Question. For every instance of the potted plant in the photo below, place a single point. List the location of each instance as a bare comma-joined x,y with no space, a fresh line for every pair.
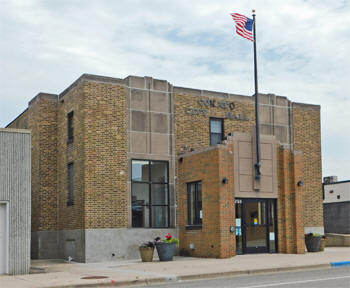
146,251
313,242
323,242
166,248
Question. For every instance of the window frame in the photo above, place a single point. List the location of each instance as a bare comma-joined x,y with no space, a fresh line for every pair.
222,129
198,222
70,127
70,184
150,183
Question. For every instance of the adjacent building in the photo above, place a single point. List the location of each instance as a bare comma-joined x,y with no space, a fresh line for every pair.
15,204
336,205
116,162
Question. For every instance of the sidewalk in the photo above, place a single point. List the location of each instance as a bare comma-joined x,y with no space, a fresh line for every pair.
55,273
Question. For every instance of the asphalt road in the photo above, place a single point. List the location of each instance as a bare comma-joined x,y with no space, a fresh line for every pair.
327,278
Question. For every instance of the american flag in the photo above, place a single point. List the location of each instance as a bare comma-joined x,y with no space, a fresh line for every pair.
244,26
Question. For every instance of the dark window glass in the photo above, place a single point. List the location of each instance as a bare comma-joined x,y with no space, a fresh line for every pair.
70,126
70,184
150,193
159,172
216,131
194,203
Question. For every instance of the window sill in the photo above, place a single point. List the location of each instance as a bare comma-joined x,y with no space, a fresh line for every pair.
193,227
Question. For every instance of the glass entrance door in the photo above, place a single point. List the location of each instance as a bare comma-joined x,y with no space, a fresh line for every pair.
256,226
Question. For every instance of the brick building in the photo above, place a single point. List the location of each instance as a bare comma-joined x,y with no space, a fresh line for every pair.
119,161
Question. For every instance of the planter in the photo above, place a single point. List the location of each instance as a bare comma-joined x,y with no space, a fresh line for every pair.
166,251
313,243
323,244
146,253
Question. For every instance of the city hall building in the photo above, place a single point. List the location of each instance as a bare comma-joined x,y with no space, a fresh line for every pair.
116,162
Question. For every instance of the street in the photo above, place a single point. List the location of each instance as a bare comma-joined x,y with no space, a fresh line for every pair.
332,277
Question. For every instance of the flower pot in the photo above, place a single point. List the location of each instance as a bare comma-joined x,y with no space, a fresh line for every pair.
323,244
146,253
313,243
166,251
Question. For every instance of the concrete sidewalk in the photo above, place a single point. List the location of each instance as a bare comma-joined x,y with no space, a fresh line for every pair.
56,273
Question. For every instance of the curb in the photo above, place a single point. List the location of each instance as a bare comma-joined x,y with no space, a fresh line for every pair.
339,264
160,280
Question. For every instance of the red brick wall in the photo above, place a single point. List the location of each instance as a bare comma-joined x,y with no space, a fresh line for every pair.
214,239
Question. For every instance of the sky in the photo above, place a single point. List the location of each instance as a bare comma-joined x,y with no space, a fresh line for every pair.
302,50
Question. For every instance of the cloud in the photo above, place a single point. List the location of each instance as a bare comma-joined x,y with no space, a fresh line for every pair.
302,52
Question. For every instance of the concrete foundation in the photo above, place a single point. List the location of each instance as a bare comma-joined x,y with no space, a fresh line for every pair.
94,245
316,230
338,240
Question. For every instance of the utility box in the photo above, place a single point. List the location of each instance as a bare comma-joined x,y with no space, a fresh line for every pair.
15,201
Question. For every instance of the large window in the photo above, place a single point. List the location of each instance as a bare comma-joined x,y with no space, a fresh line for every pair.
194,203
216,131
70,179
150,193
70,127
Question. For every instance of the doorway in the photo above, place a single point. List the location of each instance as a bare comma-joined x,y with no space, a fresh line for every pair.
3,238
256,225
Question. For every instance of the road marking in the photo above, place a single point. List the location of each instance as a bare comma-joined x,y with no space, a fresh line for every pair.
295,282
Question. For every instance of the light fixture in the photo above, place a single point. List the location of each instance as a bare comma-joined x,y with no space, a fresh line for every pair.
225,180
300,183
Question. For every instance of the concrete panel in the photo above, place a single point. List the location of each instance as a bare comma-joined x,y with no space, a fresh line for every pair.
159,123
282,133
119,243
138,99
281,116
266,167
15,190
266,129
160,144
266,184
45,245
245,166
245,149
161,85
139,121
315,229
265,114
137,82
159,102
266,150
245,183
138,142
264,99
281,101
72,243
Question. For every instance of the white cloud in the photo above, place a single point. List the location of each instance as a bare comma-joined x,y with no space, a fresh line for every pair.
302,52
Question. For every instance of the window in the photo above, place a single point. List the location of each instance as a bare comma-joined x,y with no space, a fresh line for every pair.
216,131
70,127
70,200
194,203
150,193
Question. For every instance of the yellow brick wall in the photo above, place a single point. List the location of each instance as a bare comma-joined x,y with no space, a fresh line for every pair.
307,139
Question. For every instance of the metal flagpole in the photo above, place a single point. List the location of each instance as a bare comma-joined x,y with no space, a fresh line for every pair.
258,162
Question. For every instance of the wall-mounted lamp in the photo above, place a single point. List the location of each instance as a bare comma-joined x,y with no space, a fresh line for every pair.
225,180
181,159
300,183
192,149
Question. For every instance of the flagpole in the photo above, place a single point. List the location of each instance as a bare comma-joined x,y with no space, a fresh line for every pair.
257,123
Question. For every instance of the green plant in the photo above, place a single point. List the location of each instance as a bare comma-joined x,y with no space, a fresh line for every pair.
313,235
168,239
